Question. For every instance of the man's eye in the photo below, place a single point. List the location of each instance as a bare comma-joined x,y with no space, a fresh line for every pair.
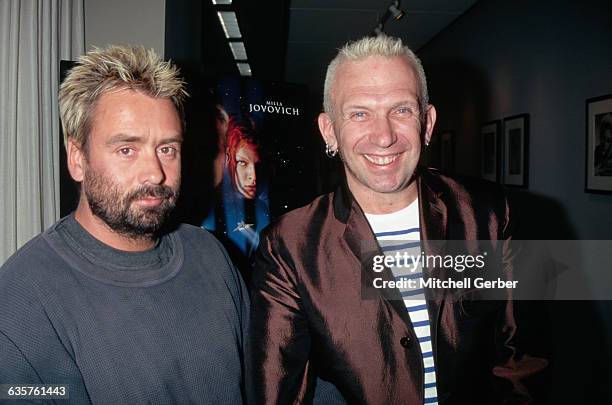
125,151
167,150
358,115
404,110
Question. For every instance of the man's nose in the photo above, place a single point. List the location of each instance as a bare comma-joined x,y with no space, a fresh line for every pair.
382,134
151,170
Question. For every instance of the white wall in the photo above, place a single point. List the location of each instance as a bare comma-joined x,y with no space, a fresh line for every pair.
133,22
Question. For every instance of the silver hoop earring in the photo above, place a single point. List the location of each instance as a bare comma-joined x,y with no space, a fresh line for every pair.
329,152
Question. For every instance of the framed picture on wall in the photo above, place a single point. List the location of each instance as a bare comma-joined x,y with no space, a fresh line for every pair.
447,151
489,151
599,145
515,146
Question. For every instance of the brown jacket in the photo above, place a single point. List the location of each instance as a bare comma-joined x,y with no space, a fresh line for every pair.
310,318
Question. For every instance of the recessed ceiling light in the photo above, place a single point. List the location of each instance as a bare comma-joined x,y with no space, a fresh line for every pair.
238,50
229,22
244,68
222,1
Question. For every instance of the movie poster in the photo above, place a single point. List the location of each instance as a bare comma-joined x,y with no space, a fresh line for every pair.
262,165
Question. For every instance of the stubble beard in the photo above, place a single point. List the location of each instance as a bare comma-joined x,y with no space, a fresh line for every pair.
114,206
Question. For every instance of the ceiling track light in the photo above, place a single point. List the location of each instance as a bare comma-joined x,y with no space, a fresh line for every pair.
392,11
395,11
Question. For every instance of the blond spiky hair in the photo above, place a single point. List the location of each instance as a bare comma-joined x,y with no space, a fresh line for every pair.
381,45
112,68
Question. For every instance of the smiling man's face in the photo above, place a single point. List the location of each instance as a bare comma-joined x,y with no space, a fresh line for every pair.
376,126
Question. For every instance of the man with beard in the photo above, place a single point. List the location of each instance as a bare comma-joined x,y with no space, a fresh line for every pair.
107,302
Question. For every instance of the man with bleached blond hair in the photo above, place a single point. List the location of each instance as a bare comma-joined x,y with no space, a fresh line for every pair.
113,304
324,327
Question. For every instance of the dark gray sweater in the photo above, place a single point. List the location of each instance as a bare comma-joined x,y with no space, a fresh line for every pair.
166,326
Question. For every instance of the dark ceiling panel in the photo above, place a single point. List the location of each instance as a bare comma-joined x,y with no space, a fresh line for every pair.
417,28
264,28
348,4
437,5
318,27
307,25
453,6
307,64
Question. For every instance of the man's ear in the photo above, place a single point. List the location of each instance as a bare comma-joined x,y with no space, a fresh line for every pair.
326,127
429,123
76,160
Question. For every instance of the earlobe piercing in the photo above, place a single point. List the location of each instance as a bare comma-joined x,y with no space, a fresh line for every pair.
329,152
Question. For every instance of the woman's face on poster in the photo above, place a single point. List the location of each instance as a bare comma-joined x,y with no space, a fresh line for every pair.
247,158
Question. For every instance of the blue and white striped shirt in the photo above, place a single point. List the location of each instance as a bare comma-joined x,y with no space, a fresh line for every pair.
400,232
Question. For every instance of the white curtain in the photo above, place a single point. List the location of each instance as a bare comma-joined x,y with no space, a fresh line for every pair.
34,36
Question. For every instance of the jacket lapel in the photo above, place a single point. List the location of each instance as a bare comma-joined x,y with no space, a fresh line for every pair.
361,241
